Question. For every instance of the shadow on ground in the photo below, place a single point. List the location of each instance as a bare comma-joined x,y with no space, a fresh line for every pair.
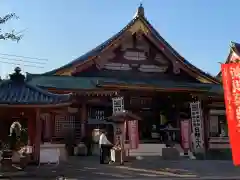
146,168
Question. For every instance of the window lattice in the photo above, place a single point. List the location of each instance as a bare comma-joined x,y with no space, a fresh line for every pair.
64,124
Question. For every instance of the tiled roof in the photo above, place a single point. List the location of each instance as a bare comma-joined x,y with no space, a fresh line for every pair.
62,82
72,83
122,116
142,18
94,51
165,84
234,48
20,92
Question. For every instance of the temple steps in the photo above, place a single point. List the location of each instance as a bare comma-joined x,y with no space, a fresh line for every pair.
152,150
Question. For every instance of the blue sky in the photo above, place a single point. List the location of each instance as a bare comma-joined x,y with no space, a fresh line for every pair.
61,30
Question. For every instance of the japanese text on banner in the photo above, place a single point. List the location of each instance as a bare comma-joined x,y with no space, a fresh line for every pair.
196,117
133,134
231,86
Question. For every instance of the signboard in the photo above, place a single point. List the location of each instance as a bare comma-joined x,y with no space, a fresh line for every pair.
231,87
117,104
133,134
119,136
185,134
197,130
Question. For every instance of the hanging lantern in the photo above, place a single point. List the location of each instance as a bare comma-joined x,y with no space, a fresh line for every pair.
117,104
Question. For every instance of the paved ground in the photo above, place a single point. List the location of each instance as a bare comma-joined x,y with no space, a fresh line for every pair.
147,168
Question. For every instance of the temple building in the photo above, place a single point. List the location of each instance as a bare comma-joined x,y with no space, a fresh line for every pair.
157,83
24,104
218,133
233,56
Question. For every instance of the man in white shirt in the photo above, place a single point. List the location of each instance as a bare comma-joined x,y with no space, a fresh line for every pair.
104,145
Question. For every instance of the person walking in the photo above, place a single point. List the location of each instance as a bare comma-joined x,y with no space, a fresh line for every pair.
104,145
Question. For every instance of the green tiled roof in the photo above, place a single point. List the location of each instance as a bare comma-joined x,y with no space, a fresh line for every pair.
216,88
16,91
168,84
62,82
69,82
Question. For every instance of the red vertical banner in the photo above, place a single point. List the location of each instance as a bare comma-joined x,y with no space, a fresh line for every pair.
120,132
231,87
185,128
133,134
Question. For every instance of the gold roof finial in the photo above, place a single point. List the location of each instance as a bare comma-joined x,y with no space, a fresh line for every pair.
140,10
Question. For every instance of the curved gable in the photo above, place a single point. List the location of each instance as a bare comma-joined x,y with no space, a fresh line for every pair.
138,23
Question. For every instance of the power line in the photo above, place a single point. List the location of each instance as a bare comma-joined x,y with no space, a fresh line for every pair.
18,64
20,32
13,55
12,59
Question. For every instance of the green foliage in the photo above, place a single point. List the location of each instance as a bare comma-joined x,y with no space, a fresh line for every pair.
9,35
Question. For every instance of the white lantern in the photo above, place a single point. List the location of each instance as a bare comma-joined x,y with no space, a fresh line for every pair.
117,104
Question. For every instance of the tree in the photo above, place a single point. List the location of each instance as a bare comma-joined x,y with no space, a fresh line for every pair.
9,35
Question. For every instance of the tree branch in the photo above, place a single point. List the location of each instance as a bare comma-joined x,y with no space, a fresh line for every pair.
9,35
8,17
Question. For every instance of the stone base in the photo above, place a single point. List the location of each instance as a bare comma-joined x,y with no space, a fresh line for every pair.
63,155
170,153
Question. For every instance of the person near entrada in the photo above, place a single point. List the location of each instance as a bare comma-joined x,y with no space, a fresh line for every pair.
104,145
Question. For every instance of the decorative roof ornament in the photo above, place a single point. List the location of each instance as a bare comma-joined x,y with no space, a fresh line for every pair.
17,76
232,44
140,11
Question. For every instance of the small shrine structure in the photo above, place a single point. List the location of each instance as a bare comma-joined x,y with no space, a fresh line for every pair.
20,101
125,130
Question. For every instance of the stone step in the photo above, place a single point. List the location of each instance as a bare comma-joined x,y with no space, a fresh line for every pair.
153,150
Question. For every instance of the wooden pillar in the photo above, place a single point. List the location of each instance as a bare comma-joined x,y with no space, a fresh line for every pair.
37,136
52,120
83,115
203,119
46,126
206,125
31,129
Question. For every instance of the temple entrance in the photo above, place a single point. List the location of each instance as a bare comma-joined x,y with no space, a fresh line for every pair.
147,125
161,115
156,127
